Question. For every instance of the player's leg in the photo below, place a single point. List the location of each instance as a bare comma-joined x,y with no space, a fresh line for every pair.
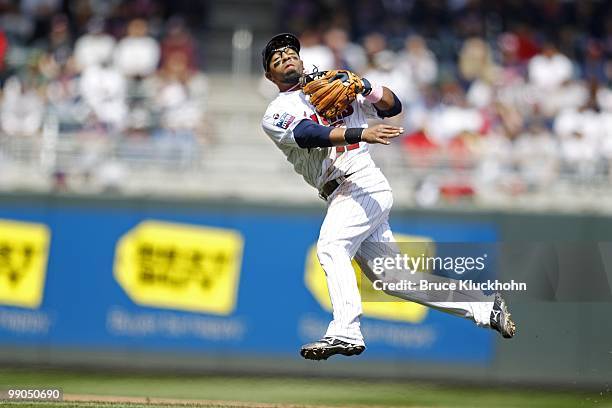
351,217
473,305
349,220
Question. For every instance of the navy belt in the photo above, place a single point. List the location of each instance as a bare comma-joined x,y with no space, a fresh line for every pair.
331,186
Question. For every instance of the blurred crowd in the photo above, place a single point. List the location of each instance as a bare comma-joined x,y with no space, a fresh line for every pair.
517,92
522,85
114,69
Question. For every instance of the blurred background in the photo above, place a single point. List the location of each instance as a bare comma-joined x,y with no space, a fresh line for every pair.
506,104
148,222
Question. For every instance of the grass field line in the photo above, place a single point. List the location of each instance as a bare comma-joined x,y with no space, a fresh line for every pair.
115,399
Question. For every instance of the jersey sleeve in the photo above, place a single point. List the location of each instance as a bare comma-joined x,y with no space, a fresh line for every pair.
279,123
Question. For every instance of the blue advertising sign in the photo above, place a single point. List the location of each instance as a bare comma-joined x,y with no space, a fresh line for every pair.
210,281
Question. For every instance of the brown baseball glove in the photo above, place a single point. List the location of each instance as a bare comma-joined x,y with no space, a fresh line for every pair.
331,92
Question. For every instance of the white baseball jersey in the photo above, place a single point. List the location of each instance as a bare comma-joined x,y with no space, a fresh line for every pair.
321,164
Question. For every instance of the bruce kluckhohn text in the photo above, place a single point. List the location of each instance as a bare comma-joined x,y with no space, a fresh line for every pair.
465,285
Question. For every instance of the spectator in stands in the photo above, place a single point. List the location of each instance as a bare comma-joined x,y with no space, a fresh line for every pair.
373,43
3,49
59,39
347,55
453,116
137,54
179,96
386,71
476,61
582,133
594,66
495,168
178,93
64,99
484,82
527,46
579,155
179,40
537,155
570,95
549,69
314,53
418,61
104,89
95,47
22,109
511,64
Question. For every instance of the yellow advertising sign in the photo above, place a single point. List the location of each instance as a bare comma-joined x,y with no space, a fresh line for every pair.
386,307
178,266
24,250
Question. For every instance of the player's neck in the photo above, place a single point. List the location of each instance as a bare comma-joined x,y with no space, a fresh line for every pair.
289,87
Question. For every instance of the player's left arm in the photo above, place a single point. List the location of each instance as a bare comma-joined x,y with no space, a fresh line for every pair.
389,105
386,103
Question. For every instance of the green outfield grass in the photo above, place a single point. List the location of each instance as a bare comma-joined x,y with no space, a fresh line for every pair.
328,392
102,405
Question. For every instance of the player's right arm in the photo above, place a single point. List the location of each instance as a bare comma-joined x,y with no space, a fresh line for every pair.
310,134
283,128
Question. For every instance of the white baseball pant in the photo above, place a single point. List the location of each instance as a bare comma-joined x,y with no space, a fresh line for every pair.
358,212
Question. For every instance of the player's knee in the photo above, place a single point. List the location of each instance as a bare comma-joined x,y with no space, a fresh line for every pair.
329,253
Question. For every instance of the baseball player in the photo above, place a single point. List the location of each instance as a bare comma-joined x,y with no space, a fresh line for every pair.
333,157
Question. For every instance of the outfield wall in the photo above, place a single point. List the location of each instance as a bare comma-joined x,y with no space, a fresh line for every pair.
212,287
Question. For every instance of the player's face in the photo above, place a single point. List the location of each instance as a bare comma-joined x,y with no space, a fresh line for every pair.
285,67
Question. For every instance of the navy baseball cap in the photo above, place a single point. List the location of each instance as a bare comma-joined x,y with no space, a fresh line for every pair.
278,42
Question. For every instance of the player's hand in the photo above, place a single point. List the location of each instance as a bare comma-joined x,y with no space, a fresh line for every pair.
381,134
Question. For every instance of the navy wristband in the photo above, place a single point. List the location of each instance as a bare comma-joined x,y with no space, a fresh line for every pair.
367,87
353,135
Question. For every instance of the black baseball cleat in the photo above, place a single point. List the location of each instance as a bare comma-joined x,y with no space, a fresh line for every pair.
501,319
327,347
